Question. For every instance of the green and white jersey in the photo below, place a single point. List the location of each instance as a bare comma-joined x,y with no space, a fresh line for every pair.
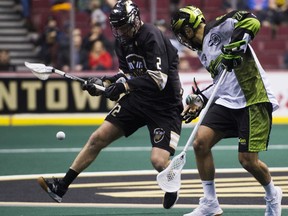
247,84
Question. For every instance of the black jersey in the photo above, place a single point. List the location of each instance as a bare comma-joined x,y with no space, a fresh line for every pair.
150,63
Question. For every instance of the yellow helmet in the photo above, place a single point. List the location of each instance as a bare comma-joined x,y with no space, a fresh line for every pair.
187,16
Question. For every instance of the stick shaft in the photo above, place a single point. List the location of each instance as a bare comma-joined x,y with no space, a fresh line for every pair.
204,111
70,76
43,72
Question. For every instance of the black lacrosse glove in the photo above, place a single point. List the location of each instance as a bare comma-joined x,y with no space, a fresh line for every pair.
114,90
92,90
230,58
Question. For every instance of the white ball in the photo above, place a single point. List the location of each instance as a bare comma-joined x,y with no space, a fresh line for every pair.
60,135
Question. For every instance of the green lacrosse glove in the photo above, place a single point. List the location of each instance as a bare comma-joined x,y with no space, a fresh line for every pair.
92,90
230,58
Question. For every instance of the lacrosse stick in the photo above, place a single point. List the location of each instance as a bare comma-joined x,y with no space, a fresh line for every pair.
43,72
169,180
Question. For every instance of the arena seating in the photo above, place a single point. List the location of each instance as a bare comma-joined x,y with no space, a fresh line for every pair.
269,45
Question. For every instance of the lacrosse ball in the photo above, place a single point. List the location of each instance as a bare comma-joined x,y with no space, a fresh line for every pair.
60,135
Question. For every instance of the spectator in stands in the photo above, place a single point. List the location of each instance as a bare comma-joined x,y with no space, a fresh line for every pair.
97,15
48,42
80,55
60,5
63,39
23,7
96,33
5,64
279,12
82,5
263,10
107,5
99,57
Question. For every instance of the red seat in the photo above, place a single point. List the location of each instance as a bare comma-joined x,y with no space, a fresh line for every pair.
269,61
282,32
142,4
215,4
265,33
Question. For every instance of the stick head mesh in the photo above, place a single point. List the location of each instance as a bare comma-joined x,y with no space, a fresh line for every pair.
169,180
39,70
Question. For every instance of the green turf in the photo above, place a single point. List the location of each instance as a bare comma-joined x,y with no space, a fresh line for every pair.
76,136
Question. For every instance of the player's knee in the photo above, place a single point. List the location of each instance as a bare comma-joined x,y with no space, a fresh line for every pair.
200,147
96,142
247,163
159,163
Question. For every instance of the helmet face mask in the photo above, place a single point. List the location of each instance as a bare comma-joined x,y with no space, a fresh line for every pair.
184,40
187,17
125,21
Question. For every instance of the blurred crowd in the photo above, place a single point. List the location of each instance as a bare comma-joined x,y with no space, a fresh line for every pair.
93,50
270,12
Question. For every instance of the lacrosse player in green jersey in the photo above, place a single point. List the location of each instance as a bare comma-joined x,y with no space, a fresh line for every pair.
243,105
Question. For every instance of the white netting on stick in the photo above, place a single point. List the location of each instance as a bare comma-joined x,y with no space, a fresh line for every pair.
169,180
39,70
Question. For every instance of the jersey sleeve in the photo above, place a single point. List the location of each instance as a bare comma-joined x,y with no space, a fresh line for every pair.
157,65
246,27
157,60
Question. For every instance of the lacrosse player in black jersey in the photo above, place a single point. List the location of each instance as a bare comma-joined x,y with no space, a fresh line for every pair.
148,93
243,104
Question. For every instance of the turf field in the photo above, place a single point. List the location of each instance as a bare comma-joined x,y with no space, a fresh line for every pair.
121,181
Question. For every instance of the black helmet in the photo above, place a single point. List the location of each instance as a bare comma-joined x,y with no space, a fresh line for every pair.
187,16
125,20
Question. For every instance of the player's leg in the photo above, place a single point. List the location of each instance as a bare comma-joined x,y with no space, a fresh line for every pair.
164,129
98,140
160,159
254,137
205,139
209,133
260,171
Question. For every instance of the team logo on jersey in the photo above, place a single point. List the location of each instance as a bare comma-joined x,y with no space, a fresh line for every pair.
203,58
158,134
242,141
136,64
214,40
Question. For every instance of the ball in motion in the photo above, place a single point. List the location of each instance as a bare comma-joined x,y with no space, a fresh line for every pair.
60,135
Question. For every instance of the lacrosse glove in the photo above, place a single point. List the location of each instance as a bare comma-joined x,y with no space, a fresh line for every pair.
92,90
114,90
195,103
230,58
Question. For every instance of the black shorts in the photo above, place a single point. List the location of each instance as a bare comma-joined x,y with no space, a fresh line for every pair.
164,126
252,125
